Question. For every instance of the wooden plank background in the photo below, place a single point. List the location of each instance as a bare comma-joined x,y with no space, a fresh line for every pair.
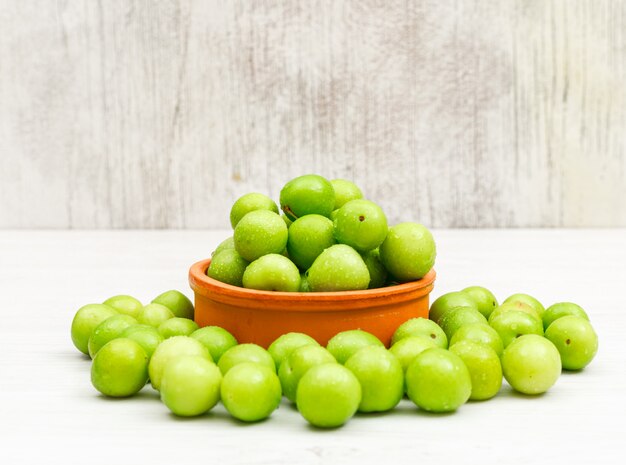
454,113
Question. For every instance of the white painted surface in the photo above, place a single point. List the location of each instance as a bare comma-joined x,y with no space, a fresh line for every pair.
127,114
50,413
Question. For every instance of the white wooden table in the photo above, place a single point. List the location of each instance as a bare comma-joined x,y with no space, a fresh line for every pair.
50,413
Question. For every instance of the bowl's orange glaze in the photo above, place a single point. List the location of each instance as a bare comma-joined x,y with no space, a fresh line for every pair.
261,316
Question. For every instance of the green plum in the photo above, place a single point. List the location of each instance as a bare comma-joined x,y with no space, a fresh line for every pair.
561,309
108,330
125,304
177,327
272,272
338,268
169,350
479,333
360,224
120,368
309,236
485,300
344,192
408,252
250,391
513,324
306,195
328,395
297,364
456,318
154,315
514,306
484,368
148,337
438,381
528,300
575,339
243,353
304,283
531,364
381,377
226,244
228,267
248,203
407,348
448,301
378,272
284,345
86,319
345,344
190,385
177,302
259,233
421,327
217,340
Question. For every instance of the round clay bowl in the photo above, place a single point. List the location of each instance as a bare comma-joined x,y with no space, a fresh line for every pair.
261,316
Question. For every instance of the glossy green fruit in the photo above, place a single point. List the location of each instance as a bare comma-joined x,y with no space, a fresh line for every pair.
456,318
531,364
259,233
344,192
191,385
86,319
408,252
361,224
448,301
528,300
217,340
272,272
250,392
514,307
378,272
306,195
381,377
226,244
244,353
328,395
228,267
284,345
177,302
484,368
120,368
125,304
421,327
154,314
437,380
575,339
169,350
485,301
479,333
513,324
177,327
248,203
108,330
345,344
407,348
309,236
297,364
148,337
561,309
338,268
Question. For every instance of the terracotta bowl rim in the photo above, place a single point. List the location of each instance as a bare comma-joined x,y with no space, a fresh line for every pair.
209,287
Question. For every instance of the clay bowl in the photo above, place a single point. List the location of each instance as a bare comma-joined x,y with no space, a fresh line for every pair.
261,316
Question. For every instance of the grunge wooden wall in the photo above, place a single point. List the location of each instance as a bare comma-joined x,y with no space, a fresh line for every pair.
454,113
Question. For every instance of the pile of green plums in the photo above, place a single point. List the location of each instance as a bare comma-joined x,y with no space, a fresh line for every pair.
461,353
329,238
